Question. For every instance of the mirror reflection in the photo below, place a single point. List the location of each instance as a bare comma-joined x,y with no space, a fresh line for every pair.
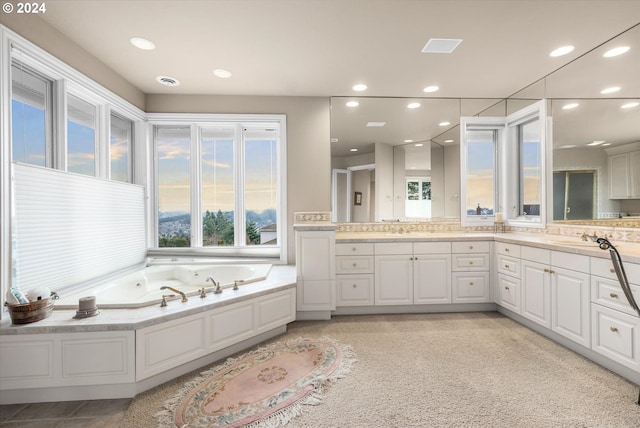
595,157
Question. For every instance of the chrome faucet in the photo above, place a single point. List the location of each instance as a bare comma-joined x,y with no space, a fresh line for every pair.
184,296
217,290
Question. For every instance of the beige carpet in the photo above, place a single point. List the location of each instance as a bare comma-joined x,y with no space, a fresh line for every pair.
449,370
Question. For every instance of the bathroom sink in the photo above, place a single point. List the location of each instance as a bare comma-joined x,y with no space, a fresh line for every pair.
573,243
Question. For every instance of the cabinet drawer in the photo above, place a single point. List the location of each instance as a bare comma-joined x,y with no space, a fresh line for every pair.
534,254
604,268
508,249
616,335
354,264
390,248
471,287
608,292
470,247
470,262
509,266
570,261
509,293
431,247
354,290
364,249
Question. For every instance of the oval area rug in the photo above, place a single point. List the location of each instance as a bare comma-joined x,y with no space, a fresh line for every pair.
263,388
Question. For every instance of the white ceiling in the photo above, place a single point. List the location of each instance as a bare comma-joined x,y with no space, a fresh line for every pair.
323,47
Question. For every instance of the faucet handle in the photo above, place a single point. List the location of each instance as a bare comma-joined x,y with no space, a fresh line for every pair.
163,303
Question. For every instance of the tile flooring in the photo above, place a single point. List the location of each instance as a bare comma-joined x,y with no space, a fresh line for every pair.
68,414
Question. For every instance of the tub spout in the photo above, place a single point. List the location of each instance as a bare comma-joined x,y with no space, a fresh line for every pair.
184,296
217,289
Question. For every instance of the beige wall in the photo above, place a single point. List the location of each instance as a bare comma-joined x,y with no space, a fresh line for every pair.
308,147
47,37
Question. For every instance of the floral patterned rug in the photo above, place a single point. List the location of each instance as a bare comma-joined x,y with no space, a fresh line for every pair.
263,388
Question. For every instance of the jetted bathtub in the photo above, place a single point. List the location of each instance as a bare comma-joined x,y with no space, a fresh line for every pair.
142,288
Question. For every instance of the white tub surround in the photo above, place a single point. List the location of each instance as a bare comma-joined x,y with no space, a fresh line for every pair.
122,352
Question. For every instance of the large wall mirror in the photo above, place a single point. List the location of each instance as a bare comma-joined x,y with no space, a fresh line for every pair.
595,145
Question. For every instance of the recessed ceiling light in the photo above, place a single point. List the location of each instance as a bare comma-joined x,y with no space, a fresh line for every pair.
561,51
408,141
334,140
596,143
630,105
616,51
448,141
168,81
418,144
432,88
222,73
441,45
610,90
413,105
606,144
570,106
143,44
376,124
353,150
352,104
359,87
568,146
445,123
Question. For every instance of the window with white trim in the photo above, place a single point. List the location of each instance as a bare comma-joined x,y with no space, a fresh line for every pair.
220,185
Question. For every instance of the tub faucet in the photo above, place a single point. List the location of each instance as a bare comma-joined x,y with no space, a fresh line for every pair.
184,296
217,290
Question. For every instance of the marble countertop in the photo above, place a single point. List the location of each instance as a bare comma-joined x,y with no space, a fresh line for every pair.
630,252
62,320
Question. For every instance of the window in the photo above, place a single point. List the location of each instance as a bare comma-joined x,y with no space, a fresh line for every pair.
530,168
480,180
173,153
30,116
81,136
220,185
120,148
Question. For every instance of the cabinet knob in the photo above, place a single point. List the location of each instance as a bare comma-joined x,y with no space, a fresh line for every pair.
612,270
471,263
471,247
546,270
471,283
353,249
552,271
613,295
506,266
613,329
506,250
506,288
355,286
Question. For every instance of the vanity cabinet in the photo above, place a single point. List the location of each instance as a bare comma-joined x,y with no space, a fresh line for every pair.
315,270
471,267
615,324
508,268
536,285
412,273
354,274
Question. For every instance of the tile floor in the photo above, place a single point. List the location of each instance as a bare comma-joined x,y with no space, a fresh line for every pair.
68,414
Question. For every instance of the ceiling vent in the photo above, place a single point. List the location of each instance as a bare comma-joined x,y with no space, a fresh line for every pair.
441,45
168,81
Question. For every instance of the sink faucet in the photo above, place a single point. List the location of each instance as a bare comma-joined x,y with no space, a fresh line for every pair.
586,237
184,296
217,290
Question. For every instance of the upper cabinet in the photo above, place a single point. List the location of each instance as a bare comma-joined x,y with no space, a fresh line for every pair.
624,171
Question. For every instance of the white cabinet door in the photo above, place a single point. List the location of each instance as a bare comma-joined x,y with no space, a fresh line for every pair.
536,292
470,287
432,279
619,187
394,280
509,292
315,264
354,290
570,301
